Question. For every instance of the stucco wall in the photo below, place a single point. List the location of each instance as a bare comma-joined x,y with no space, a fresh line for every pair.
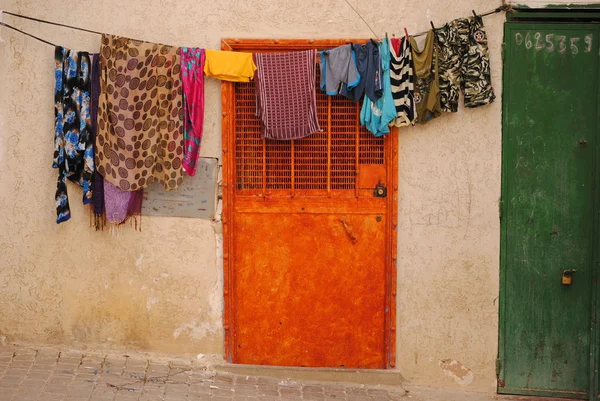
161,289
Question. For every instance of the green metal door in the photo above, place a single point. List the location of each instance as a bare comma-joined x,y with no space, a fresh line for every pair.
548,206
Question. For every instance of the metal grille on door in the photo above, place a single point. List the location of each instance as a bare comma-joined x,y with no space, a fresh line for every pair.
327,163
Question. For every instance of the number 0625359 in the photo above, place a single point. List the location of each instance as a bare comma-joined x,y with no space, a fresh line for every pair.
551,42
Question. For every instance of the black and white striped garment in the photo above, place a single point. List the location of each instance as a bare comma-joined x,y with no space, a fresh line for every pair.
402,79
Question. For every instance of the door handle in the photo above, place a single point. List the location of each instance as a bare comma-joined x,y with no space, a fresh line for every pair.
567,276
349,231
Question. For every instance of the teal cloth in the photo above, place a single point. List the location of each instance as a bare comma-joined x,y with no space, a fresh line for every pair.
377,116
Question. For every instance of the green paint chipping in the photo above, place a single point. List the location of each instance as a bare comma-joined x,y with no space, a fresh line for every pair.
558,6
581,15
550,131
573,6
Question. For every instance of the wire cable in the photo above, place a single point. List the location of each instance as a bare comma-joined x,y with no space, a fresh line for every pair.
361,17
51,23
504,7
28,34
58,24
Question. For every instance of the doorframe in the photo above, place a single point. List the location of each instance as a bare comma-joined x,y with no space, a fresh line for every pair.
228,193
581,13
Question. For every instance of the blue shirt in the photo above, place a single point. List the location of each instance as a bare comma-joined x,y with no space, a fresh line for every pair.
377,116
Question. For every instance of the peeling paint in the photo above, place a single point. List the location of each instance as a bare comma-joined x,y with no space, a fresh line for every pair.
455,370
194,329
151,301
138,262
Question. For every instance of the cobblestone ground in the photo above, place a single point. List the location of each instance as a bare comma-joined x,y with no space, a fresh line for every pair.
47,374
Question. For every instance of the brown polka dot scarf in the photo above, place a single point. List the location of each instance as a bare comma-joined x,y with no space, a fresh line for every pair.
140,116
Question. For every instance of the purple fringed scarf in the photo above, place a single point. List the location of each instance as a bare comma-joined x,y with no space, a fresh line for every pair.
119,205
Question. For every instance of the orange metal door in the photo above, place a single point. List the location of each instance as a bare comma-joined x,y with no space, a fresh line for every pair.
309,236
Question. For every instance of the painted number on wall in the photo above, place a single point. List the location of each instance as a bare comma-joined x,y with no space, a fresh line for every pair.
552,42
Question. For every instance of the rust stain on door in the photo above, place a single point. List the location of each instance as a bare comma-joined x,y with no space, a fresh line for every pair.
309,248
309,296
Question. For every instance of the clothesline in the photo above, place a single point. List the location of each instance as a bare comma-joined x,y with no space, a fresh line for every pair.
502,8
144,117
51,23
44,22
362,18
28,34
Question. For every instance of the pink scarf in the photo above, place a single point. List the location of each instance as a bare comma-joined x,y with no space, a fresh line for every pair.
192,76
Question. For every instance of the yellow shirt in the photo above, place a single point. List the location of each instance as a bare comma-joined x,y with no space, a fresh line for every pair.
229,66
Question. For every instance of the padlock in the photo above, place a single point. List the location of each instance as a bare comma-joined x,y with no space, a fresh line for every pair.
567,277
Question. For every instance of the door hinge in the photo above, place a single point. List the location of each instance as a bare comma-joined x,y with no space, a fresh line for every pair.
502,51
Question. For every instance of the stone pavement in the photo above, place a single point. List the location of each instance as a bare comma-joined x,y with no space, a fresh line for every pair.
47,374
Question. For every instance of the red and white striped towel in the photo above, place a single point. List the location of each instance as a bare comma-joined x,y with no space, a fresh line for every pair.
285,94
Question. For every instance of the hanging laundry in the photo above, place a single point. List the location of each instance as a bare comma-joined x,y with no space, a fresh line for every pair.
73,142
120,205
377,116
402,81
395,45
98,202
427,93
285,94
229,66
192,78
368,63
338,70
140,123
464,64
98,185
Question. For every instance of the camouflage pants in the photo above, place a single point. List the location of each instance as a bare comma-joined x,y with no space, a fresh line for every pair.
464,64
